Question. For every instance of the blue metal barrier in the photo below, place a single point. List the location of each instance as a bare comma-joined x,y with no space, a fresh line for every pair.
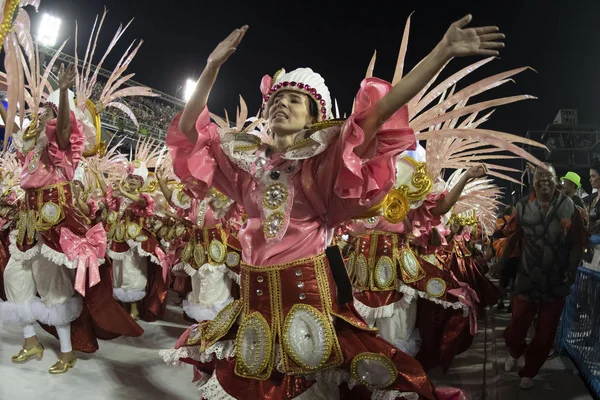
579,330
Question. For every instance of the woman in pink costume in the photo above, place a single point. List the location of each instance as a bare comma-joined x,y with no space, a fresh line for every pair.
10,200
295,340
50,148
131,242
386,271
202,250
81,195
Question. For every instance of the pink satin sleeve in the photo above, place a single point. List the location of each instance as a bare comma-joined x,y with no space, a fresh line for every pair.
92,206
423,221
349,184
66,159
144,211
203,164
11,198
111,201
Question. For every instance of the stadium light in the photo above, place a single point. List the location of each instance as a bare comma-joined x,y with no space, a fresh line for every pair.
48,30
190,85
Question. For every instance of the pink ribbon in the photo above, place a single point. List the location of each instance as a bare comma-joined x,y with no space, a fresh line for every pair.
88,250
468,296
166,260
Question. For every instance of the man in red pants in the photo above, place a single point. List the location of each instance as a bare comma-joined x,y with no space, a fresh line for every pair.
549,230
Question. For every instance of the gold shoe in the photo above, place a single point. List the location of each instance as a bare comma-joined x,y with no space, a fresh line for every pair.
24,355
134,313
61,367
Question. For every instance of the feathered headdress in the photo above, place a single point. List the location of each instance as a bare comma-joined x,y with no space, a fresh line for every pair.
480,200
451,130
112,163
112,91
14,33
148,153
10,166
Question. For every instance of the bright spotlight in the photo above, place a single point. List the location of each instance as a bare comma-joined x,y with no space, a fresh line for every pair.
48,30
190,85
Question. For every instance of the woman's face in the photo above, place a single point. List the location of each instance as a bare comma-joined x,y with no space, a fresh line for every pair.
289,113
77,189
133,183
46,115
594,179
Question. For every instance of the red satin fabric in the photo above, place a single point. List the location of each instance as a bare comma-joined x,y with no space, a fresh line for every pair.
378,299
444,332
181,285
4,256
411,377
354,337
154,305
466,269
73,217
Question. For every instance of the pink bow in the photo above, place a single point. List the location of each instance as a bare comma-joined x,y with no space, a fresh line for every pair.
166,261
468,296
265,84
88,250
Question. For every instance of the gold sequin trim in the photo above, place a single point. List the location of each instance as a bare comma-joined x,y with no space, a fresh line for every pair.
215,329
410,273
379,358
255,368
280,191
320,319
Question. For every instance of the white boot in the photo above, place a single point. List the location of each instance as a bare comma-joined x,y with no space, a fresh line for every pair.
526,383
510,363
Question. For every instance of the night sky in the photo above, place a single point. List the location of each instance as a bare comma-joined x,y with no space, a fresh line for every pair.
557,38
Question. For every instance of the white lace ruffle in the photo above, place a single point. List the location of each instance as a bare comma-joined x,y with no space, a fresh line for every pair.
18,314
413,293
212,390
115,255
138,245
128,296
393,394
222,349
201,313
234,277
59,314
60,258
18,254
370,313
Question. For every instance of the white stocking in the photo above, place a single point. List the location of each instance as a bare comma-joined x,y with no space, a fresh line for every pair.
28,331
64,335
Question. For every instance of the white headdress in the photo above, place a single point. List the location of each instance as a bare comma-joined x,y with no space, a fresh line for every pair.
301,80
148,153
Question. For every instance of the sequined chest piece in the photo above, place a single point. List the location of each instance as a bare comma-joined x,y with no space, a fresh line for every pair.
276,189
